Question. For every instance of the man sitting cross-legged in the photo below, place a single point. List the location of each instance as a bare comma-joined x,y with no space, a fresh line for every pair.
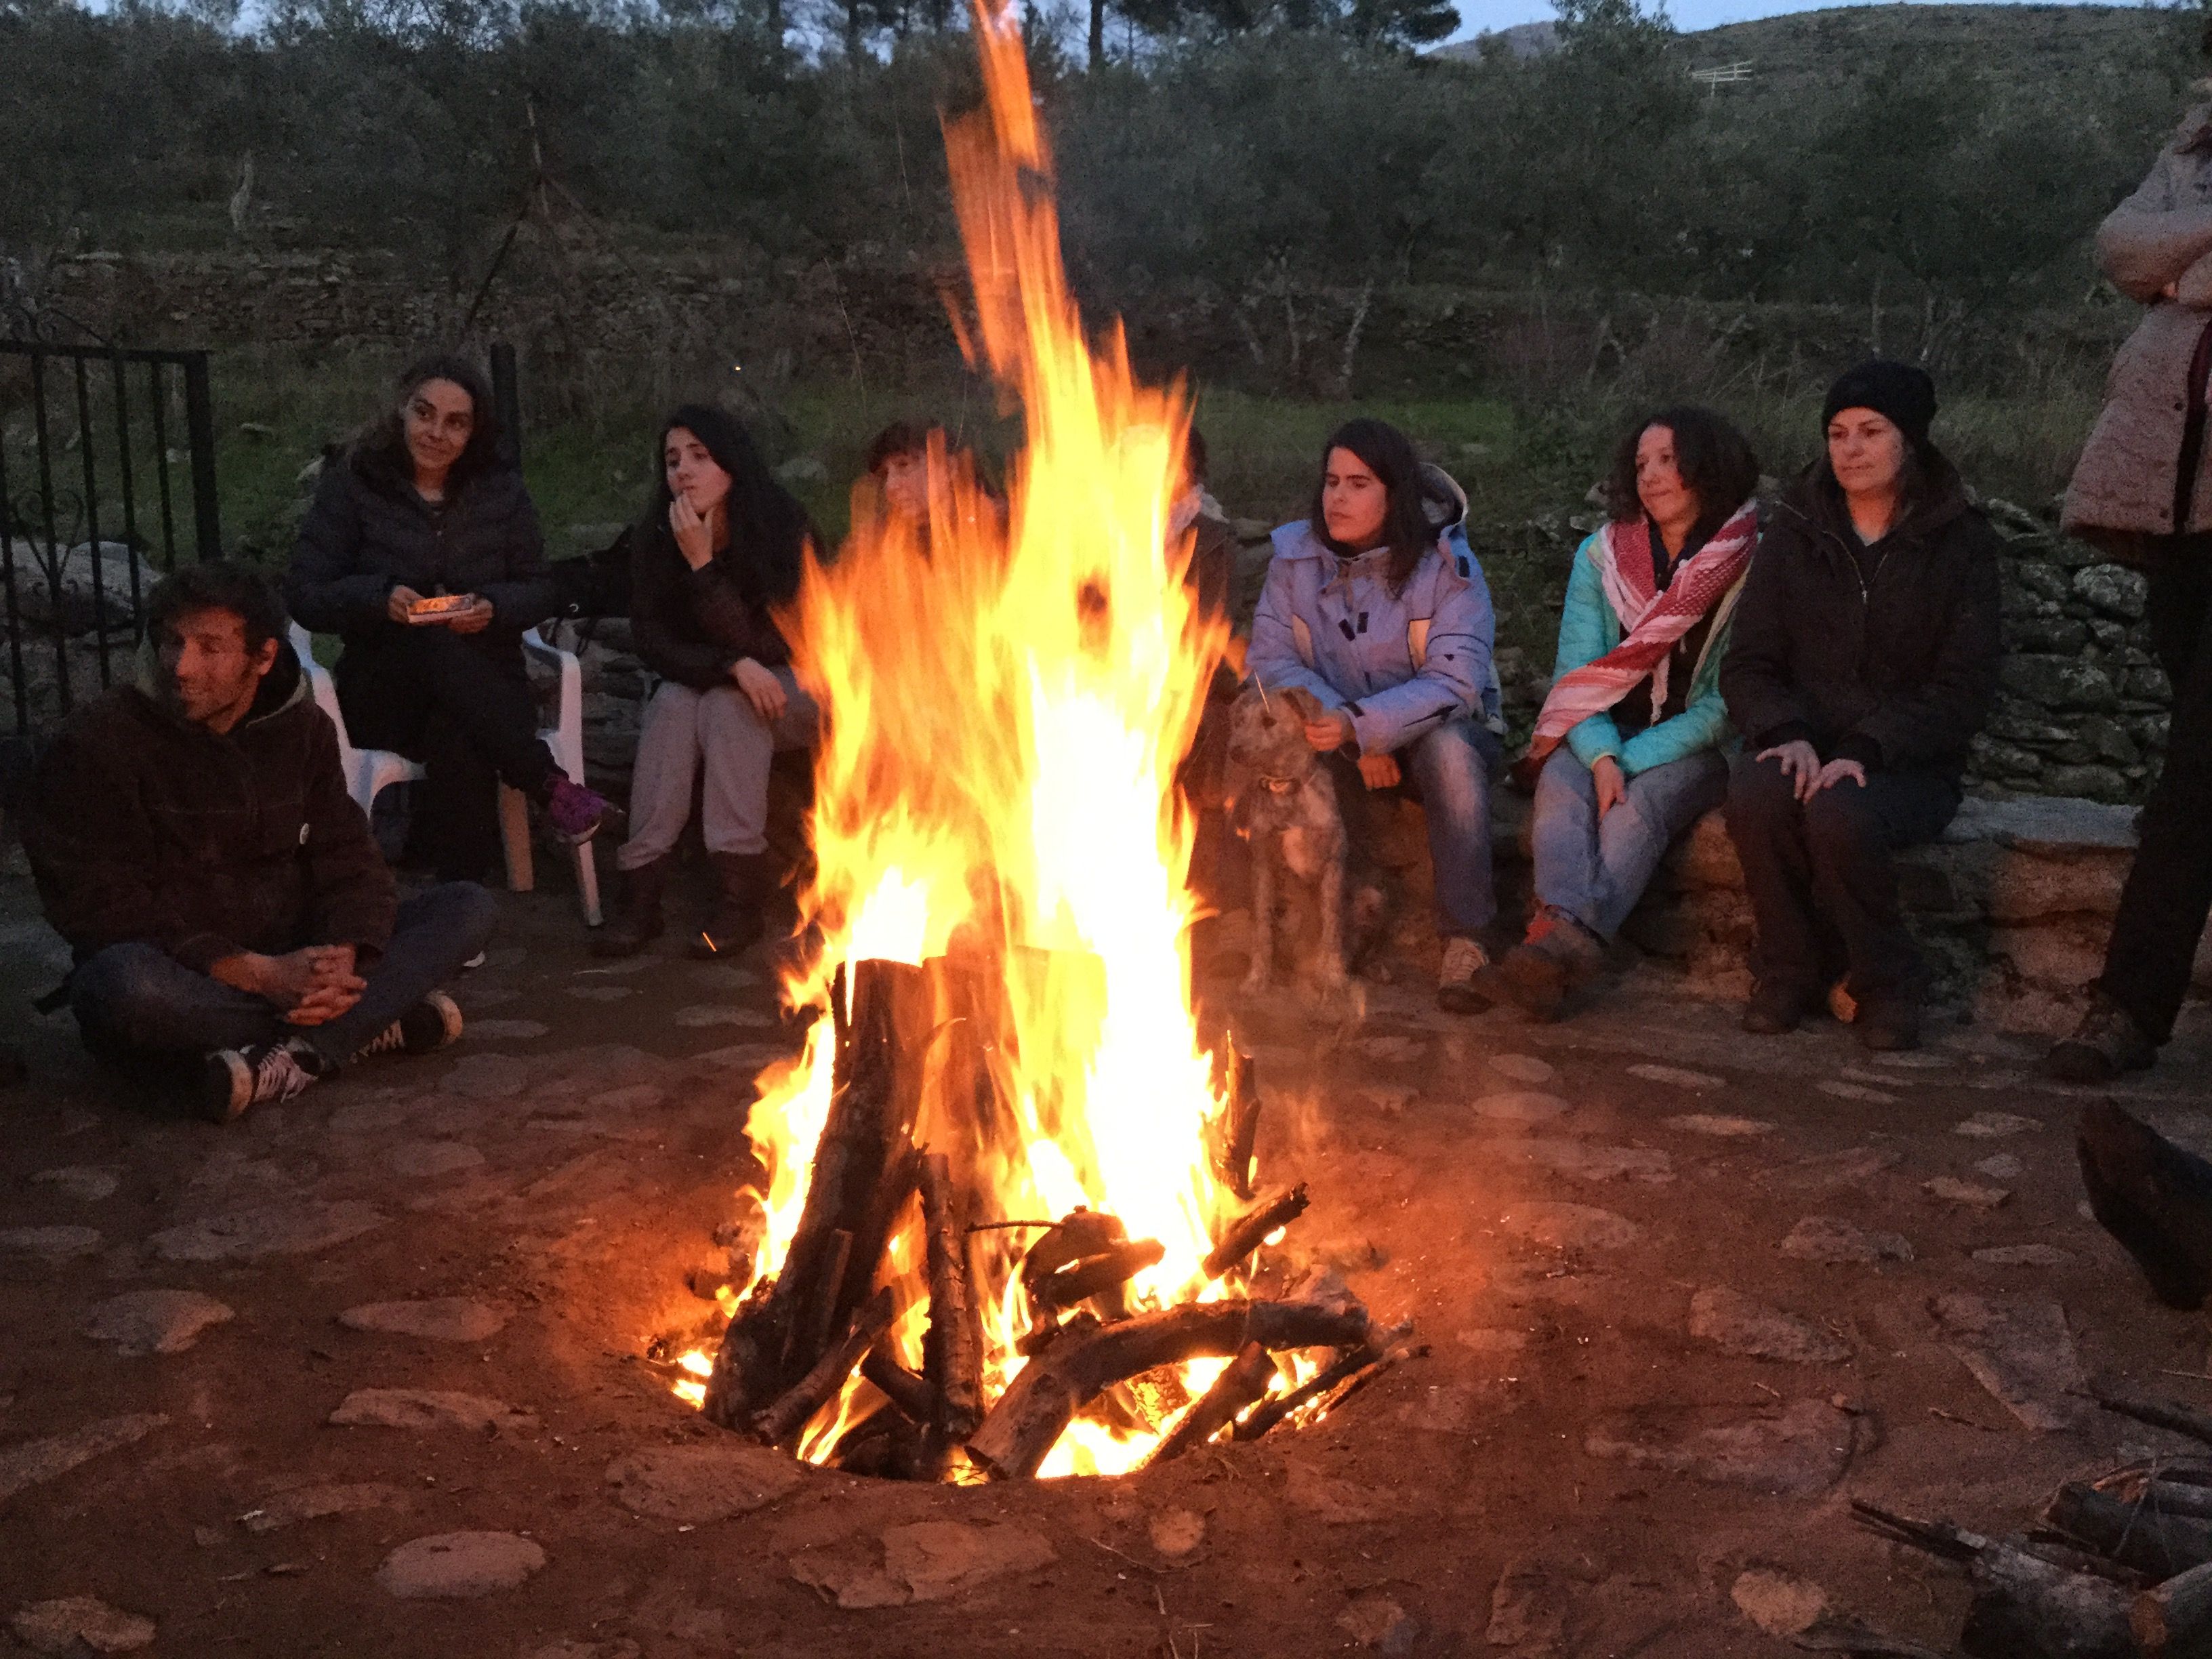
194,842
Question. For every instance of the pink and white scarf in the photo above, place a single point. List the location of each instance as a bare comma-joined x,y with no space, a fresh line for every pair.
1652,620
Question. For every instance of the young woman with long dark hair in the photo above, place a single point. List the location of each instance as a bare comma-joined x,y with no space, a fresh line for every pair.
422,552
722,546
1627,749
1374,604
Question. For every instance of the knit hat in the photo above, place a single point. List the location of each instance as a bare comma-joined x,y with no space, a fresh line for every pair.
1901,393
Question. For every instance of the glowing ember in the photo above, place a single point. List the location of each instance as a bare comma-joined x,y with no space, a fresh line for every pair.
1008,700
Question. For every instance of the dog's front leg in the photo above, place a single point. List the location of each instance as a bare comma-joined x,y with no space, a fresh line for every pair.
1265,856
1328,963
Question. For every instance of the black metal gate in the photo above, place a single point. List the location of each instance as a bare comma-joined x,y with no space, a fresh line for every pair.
92,494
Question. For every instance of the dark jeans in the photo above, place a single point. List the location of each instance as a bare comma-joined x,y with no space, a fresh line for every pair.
142,1001
1449,772
2169,889
463,707
1821,877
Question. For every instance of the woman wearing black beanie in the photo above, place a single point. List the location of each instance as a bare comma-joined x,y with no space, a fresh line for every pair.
1863,662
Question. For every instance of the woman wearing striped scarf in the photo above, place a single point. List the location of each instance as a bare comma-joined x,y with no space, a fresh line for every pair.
1627,752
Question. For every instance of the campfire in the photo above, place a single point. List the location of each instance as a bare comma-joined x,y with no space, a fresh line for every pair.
1011,1226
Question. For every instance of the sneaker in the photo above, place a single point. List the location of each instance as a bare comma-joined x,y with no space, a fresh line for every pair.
2107,1042
430,1025
576,812
1559,955
258,1075
1776,1006
1457,993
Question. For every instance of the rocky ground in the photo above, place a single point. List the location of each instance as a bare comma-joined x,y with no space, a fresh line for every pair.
371,1373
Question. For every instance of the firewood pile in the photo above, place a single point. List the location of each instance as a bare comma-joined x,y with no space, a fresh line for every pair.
911,1040
2120,1568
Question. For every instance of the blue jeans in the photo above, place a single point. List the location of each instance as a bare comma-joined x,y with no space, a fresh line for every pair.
141,1000
1449,771
1594,869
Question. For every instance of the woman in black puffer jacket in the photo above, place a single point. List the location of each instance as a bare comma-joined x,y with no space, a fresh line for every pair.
423,508
1863,661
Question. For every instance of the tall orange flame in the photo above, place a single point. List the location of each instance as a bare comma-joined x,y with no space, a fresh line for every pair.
1008,698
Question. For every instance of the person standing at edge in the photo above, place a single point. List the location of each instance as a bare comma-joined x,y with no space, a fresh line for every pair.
2141,494
1863,661
423,509
231,920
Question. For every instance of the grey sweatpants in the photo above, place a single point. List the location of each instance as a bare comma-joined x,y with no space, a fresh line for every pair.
682,728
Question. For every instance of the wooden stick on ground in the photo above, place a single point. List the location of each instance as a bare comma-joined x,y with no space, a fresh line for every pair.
2159,1413
956,1359
2134,1534
2176,1617
1043,1399
1250,1230
1242,1384
792,1413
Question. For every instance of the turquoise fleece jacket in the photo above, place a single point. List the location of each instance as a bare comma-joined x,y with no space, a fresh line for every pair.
1588,629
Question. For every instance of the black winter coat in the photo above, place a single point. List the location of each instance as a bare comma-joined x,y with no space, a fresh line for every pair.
144,827
1895,667
692,626
368,532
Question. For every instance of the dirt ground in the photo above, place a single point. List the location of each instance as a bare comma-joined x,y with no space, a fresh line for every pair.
1635,1406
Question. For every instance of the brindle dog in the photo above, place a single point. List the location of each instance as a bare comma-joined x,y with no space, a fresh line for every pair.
1284,803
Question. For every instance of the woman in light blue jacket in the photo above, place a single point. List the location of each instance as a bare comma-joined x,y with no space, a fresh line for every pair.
1627,751
1375,605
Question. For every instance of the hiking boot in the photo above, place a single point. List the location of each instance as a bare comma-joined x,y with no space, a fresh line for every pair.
259,1074
1456,992
735,922
2107,1042
427,1027
1776,1006
637,921
1888,1025
1559,956
575,811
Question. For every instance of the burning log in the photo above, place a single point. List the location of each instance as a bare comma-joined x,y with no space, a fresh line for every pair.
1037,1407
2176,1617
1238,1082
1249,1231
1083,1255
1243,1383
913,1397
795,1408
2137,1534
953,1347
1353,1368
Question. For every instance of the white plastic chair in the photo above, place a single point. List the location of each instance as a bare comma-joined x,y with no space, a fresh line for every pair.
368,772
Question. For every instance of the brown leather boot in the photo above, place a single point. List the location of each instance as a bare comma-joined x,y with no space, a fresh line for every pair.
636,922
735,923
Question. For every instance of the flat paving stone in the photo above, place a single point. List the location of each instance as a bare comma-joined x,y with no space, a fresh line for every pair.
1677,1076
507,1030
1796,1451
297,1504
1777,1602
1833,1240
1858,1092
1997,1126
1720,1126
1854,1166
1735,1323
490,1077
1522,1068
1970,1195
435,1319
2001,1166
602,992
154,1321
699,1483
267,1230
923,1561
30,1462
706,1014
81,1623
425,1409
52,1244
2024,1256
83,1182
1520,1106
459,1565
1585,1162
424,1160
2020,1351
1570,1226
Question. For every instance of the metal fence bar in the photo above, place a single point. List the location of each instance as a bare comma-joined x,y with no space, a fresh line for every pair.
92,520
122,472
161,466
14,612
53,561
199,433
